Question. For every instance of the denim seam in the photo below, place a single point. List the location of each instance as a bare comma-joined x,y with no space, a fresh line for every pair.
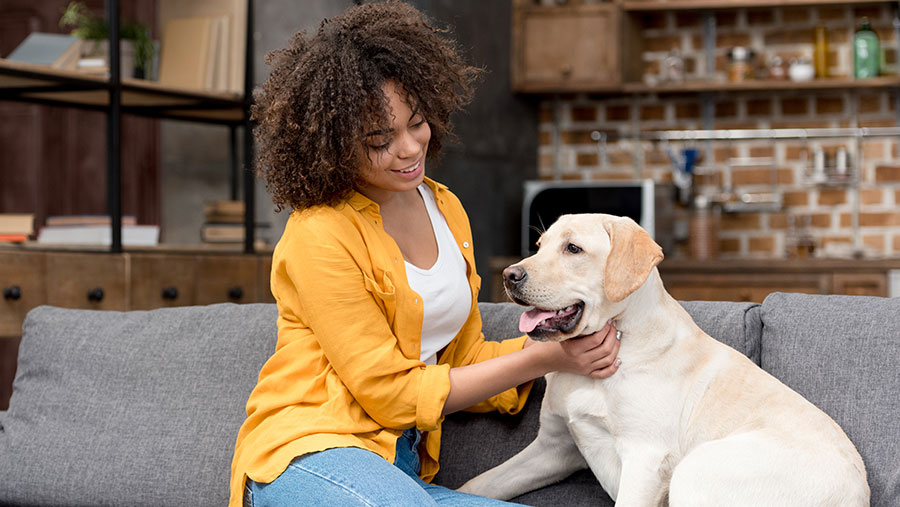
332,481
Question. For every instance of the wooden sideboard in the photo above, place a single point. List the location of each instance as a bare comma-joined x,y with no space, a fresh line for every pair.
134,280
754,279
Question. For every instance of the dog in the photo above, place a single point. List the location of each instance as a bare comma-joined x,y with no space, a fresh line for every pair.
686,421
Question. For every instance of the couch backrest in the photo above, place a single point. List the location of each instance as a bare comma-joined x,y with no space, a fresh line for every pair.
842,353
135,408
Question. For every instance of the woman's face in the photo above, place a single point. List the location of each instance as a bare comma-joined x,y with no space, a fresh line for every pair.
393,159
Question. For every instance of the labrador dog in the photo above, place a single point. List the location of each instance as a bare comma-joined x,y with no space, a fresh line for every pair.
686,421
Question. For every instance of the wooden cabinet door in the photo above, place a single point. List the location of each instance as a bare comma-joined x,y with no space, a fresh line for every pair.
227,278
94,281
22,283
566,48
162,280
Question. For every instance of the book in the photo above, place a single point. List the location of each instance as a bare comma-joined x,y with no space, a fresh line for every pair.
184,55
132,235
13,238
59,51
235,40
87,220
225,233
224,208
17,223
224,212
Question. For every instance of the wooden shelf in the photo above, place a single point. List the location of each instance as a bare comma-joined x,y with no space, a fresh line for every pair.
763,85
672,5
45,85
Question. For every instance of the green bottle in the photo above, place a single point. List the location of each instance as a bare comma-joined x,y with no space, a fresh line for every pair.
866,52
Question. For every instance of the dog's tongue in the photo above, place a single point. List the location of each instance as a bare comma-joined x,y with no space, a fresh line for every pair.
530,319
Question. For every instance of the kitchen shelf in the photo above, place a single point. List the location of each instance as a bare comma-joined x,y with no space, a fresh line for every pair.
672,5
762,85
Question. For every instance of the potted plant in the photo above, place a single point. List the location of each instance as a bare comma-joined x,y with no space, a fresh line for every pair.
89,26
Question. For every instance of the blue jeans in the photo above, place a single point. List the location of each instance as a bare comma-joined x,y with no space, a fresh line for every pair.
353,476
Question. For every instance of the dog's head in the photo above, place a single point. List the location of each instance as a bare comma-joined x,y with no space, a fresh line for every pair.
585,267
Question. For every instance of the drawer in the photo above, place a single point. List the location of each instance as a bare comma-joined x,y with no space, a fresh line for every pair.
23,288
265,272
227,278
159,281
92,281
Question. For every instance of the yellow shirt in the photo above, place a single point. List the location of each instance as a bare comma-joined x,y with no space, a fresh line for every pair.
346,370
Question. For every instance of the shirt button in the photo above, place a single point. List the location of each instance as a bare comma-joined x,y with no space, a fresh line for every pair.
465,244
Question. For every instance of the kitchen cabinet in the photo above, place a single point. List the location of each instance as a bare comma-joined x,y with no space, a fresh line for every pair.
566,48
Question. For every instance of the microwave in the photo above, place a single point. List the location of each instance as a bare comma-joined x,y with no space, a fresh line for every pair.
647,203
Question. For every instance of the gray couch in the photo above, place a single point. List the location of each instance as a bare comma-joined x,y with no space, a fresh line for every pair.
142,408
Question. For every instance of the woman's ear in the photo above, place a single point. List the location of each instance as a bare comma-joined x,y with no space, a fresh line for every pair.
632,255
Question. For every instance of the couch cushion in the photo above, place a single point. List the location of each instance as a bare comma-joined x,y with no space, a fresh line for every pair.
77,432
473,443
843,354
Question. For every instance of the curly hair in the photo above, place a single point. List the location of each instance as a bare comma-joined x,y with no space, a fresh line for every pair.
325,90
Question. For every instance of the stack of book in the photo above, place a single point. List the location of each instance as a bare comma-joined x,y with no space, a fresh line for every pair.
16,227
95,230
224,222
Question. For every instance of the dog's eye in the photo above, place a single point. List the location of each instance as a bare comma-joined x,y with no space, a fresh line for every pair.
573,249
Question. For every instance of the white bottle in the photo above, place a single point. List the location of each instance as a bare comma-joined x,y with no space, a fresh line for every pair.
841,161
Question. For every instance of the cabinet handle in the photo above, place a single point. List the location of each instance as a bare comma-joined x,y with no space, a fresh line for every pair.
170,293
13,293
235,293
95,295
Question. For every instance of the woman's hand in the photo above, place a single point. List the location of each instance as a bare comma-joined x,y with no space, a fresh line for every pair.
592,355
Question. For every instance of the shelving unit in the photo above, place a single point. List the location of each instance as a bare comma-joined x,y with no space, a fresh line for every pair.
116,96
672,5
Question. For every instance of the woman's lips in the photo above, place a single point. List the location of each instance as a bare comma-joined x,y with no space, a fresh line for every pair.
410,172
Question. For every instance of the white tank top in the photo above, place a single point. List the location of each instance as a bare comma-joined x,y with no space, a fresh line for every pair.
444,287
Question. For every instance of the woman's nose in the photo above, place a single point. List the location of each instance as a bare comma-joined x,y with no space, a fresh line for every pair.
407,145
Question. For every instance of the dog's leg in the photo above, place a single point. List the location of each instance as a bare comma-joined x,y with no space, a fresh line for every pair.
550,458
645,478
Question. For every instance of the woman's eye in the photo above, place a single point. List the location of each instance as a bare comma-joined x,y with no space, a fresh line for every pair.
573,249
378,143
417,121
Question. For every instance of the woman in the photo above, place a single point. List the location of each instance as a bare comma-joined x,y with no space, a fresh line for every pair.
379,335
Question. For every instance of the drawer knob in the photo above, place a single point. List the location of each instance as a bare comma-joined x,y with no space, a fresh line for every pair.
235,293
170,293
95,295
13,293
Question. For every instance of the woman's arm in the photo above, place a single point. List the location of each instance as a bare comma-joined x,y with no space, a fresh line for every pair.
592,355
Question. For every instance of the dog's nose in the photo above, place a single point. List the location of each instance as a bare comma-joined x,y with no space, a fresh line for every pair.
514,275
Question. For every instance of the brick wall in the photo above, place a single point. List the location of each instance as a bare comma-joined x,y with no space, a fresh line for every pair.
825,212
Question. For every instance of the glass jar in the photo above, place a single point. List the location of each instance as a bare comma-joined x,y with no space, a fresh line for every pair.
740,64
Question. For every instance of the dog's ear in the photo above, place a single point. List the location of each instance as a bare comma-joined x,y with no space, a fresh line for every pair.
632,256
